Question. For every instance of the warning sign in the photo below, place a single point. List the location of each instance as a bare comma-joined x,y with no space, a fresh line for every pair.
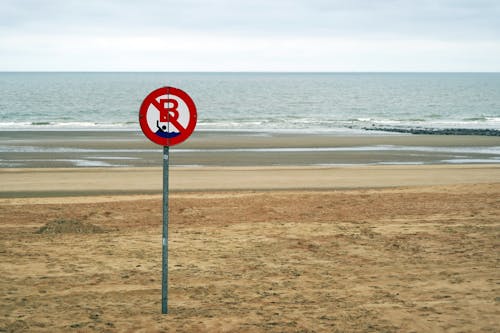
167,116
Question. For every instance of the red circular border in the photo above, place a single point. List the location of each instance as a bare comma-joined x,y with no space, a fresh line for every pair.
144,122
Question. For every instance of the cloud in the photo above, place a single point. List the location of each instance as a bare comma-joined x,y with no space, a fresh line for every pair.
185,52
356,18
250,35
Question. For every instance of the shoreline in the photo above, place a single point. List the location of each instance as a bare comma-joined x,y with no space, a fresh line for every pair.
131,149
340,131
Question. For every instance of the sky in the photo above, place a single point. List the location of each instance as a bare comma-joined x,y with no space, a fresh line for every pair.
256,35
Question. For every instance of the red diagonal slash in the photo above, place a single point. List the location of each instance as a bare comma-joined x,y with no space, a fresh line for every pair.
168,114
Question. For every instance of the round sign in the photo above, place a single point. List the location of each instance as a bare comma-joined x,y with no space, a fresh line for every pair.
167,116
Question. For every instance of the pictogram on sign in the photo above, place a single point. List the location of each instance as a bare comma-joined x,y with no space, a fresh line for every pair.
167,116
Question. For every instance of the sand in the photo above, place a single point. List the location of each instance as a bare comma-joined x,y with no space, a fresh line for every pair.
59,149
276,241
77,181
358,249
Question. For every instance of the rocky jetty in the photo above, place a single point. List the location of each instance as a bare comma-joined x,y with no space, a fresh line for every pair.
437,131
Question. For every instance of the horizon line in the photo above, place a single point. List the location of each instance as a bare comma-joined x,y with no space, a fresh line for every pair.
250,72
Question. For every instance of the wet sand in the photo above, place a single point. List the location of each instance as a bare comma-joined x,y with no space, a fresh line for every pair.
132,149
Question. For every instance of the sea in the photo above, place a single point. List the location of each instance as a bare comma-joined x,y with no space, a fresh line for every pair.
345,103
38,109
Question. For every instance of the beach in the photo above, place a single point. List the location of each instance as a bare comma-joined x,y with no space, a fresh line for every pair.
268,233
62,149
54,182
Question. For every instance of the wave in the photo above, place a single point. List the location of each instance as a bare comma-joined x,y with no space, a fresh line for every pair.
481,125
73,125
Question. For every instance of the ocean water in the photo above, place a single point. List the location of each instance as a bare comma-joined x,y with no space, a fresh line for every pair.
305,102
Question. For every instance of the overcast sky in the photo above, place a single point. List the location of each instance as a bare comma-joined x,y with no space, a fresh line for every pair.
256,35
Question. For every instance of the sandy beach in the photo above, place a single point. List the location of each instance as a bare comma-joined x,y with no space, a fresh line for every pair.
253,247
43,182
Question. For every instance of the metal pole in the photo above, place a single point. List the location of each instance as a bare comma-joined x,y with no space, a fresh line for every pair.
164,261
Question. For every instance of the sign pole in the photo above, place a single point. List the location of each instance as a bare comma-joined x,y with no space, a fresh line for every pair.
164,261
167,117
